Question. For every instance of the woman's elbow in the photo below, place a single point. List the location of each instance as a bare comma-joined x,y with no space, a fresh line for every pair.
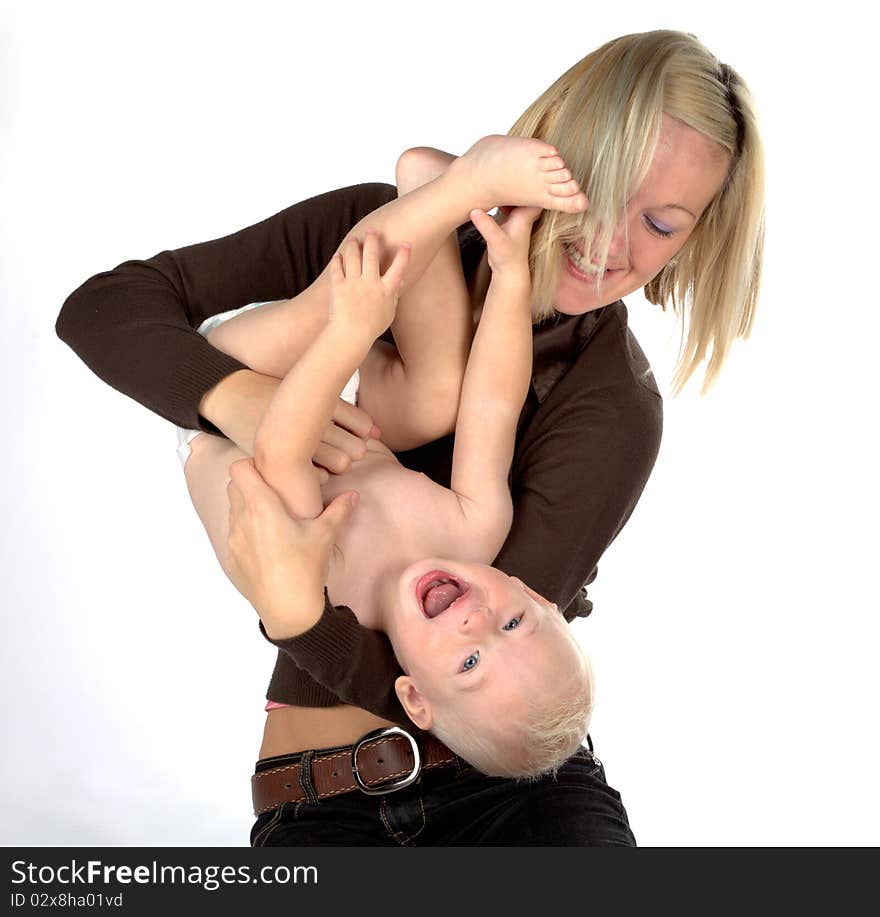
72,317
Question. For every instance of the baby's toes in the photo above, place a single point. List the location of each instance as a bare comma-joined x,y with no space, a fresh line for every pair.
565,188
557,176
551,163
572,202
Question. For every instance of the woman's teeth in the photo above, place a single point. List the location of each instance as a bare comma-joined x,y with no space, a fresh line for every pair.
577,260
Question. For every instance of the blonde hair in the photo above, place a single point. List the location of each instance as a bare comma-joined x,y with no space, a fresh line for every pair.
549,732
604,116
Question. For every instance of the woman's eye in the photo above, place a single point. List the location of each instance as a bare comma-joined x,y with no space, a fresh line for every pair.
514,623
471,661
658,230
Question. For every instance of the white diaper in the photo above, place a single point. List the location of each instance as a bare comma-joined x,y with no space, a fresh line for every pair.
350,392
185,437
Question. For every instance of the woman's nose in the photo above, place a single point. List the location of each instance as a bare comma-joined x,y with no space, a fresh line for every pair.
617,254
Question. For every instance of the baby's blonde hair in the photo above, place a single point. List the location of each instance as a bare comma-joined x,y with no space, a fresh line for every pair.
549,731
604,116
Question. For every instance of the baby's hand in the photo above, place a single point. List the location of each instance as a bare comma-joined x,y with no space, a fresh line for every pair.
362,299
507,243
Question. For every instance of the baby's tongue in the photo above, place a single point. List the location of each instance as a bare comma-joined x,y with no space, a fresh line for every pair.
439,598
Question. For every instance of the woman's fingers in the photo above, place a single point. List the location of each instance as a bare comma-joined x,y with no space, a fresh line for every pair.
244,480
338,449
352,418
247,488
248,494
336,514
353,446
235,498
334,460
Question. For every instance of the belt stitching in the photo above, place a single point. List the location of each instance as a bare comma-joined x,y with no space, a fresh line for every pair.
345,789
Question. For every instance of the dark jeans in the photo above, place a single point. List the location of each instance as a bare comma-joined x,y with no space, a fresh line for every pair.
458,806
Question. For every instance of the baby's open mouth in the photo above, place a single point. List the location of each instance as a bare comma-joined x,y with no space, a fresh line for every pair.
437,590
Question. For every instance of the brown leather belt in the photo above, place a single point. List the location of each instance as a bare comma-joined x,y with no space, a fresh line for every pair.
381,762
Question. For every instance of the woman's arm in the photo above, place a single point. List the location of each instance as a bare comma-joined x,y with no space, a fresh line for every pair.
134,326
272,557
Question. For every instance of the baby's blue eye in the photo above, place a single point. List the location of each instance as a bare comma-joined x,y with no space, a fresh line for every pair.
471,661
514,623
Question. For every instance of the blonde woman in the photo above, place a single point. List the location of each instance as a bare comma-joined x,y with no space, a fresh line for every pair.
662,138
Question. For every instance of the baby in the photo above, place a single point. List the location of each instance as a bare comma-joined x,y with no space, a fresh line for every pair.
491,667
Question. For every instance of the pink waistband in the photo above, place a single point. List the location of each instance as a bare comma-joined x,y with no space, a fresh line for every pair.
272,705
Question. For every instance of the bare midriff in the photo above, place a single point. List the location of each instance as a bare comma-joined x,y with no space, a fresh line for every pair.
292,729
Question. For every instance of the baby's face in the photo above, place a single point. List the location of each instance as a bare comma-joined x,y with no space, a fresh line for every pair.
469,635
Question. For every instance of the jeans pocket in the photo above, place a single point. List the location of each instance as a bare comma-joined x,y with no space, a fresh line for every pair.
262,836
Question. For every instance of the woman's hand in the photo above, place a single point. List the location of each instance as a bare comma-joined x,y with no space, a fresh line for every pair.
237,404
344,441
278,563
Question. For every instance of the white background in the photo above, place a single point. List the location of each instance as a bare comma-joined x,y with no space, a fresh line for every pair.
735,631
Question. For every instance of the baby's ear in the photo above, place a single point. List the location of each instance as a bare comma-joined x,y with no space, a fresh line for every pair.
416,705
536,596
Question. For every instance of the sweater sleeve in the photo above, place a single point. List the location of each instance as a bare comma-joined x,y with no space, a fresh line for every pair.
135,326
354,664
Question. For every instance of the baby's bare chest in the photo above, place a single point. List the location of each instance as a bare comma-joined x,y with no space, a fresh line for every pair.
402,516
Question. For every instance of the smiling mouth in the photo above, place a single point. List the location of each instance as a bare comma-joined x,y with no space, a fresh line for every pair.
437,590
579,266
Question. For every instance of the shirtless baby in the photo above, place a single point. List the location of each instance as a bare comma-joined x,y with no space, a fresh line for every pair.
491,667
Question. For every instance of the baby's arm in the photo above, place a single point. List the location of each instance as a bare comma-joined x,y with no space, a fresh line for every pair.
362,305
496,382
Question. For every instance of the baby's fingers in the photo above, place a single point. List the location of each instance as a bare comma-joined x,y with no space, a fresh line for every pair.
521,219
371,254
336,272
393,277
488,228
351,257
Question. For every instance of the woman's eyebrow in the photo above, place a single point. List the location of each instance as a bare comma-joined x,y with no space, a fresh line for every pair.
678,207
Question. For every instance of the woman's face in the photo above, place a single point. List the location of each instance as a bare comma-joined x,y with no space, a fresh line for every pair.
686,173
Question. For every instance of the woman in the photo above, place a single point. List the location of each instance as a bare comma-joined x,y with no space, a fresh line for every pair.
652,120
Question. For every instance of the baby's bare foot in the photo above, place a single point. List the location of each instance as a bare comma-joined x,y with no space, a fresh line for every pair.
520,172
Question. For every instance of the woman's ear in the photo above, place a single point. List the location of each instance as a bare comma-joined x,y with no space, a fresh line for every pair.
416,705
536,596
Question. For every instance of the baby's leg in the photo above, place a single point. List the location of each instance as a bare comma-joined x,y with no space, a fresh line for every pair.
496,170
273,337
413,391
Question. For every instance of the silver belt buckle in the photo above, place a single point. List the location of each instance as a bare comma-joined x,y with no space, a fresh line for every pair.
400,782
